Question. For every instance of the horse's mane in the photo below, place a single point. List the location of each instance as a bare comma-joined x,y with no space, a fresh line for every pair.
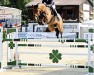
36,6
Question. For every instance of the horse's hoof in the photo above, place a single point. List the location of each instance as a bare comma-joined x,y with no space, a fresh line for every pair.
62,41
58,40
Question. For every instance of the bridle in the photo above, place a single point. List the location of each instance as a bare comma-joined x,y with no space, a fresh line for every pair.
41,15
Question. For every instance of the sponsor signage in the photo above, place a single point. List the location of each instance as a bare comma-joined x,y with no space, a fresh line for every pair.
40,35
86,35
30,35
5,16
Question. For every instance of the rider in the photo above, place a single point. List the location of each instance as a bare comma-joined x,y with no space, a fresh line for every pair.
52,5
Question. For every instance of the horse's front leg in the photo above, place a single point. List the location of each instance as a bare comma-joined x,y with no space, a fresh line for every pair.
57,32
60,29
61,37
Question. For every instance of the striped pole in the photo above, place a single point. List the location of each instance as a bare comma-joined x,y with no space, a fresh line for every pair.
45,45
48,65
48,40
90,65
89,52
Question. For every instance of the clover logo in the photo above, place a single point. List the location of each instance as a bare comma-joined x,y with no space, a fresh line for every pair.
55,56
11,45
92,48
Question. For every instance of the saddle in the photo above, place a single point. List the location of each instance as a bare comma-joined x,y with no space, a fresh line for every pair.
42,14
52,11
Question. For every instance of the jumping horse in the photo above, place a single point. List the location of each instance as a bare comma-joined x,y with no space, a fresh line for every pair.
43,14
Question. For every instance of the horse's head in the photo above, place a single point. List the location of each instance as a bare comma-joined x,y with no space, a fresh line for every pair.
39,11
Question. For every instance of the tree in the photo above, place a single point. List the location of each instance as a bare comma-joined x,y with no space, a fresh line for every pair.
20,4
4,2
91,2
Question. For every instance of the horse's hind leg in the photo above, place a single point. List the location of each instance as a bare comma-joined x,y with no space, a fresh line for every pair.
60,29
61,34
61,37
57,32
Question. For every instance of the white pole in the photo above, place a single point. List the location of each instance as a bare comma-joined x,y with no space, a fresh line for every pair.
89,54
7,51
16,49
7,46
1,33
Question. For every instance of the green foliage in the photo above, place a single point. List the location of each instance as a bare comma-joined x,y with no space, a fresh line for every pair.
91,2
20,4
4,2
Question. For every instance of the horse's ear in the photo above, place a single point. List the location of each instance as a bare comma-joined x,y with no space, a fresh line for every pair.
35,6
38,3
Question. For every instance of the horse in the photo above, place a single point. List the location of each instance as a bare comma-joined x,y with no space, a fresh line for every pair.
43,14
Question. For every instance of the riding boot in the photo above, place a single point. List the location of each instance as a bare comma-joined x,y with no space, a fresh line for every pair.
55,12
